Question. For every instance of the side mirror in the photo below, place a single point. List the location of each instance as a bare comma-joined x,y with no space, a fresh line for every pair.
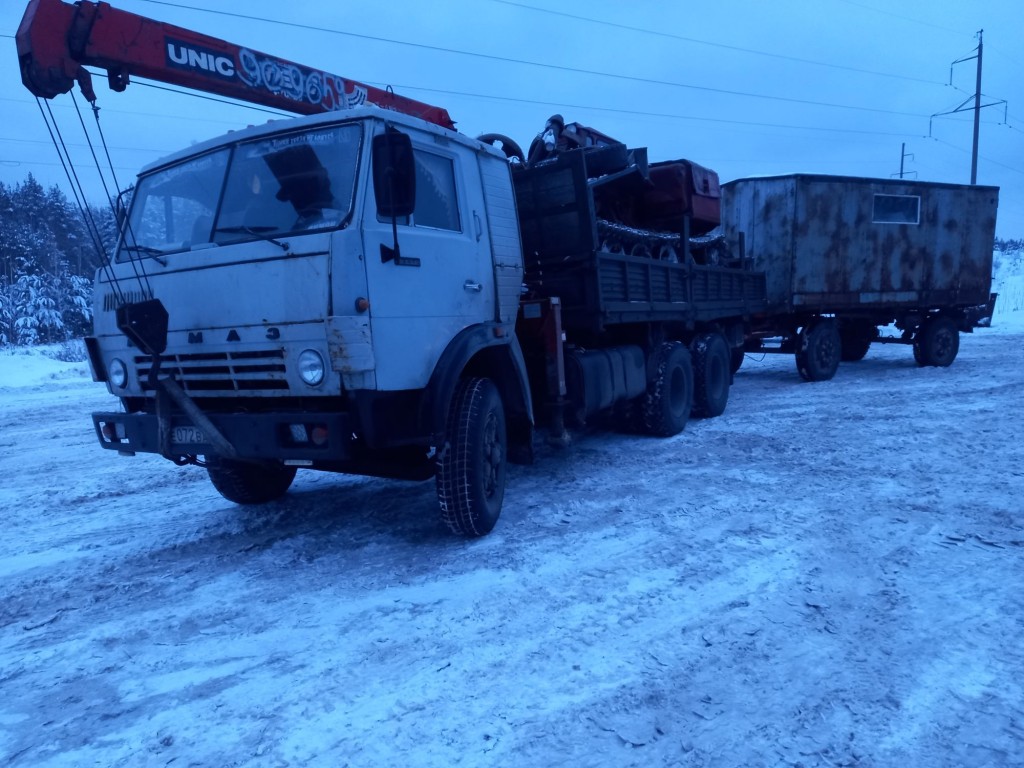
394,174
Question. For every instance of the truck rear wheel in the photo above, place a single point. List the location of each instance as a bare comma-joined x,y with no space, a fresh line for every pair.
670,393
937,342
736,355
818,351
711,373
471,466
249,482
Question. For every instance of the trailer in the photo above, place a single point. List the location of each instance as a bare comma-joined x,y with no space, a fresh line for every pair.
844,256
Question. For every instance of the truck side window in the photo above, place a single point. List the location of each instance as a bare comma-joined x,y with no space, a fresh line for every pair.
437,205
437,202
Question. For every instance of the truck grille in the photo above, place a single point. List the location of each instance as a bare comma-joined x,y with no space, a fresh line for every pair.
211,372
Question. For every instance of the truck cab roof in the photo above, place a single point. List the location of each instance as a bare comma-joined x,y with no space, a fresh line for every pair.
288,124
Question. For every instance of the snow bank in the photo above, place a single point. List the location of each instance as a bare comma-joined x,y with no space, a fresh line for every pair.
35,366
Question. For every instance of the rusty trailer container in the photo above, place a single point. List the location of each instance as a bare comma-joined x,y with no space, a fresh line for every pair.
833,243
849,255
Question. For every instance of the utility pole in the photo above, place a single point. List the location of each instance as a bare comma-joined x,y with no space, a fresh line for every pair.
978,106
977,115
903,156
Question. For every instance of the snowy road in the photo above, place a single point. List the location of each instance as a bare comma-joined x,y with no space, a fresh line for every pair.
828,574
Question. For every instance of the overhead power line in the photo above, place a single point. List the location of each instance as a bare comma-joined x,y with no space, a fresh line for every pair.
640,113
986,159
905,18
724,46
50,143
543,65
554,104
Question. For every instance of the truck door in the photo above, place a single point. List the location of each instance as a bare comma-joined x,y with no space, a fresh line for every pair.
443,280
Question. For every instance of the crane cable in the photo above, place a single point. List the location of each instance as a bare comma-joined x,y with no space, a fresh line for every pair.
78,191
138,265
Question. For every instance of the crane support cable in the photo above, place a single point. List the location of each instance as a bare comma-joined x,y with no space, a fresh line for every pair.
138,267
78,192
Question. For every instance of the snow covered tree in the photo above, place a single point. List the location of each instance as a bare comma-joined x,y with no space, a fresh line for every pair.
47,260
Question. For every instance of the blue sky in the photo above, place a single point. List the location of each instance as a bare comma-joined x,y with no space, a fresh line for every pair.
742,86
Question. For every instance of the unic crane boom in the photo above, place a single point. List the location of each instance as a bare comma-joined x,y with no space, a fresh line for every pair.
57,40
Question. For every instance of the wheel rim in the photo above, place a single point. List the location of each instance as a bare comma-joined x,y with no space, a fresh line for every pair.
493,455
825,351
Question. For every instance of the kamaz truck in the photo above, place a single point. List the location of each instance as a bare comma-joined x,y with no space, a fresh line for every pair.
366,290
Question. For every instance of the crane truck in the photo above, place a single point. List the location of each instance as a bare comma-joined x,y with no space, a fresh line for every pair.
363,289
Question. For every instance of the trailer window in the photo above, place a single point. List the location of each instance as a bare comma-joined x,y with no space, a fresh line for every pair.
897,209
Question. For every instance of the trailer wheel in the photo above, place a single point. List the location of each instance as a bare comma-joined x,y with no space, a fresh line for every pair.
818,351
712,363
471,466
670,394
937,342
249,482
856,338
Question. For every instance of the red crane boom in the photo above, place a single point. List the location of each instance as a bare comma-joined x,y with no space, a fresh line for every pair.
57,40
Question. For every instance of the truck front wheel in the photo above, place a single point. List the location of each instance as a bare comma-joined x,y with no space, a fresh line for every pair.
245,482
670,393
817,356
471,466
937,342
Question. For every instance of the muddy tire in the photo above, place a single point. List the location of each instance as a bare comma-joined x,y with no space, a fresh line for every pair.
856,338
669,397
937,342
249,482
818,351
711,374
472,465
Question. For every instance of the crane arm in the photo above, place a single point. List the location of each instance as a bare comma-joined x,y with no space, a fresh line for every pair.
57,40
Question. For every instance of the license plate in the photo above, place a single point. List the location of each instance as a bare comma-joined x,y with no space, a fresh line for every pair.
187,435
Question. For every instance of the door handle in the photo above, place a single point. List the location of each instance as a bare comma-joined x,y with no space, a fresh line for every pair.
472,287
479,226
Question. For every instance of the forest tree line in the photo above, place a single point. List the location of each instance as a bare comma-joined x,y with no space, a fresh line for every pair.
48,260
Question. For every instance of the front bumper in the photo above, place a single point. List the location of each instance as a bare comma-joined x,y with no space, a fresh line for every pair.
283,436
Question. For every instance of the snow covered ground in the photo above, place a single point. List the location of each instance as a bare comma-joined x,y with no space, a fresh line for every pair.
828,574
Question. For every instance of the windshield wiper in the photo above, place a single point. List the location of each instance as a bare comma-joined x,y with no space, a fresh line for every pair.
149,250
258,233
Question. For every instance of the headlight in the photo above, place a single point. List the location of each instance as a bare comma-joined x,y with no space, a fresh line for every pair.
311,367
117,373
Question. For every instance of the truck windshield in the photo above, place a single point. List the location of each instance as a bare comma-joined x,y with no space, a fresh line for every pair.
276,186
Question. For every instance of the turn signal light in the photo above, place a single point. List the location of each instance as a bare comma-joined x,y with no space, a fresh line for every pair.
318,435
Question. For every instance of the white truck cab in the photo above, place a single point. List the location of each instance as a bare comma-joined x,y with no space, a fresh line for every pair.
330,285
